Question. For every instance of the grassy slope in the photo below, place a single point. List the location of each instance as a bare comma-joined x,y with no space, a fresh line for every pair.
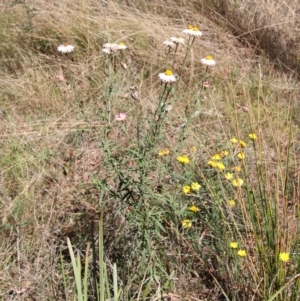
52,129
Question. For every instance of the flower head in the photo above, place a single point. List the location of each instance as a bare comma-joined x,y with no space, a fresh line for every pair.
252,136
110,45
194,209
234,245
167,76
216,164
212,163
228,176
208,60
120,117
241,155
220,165
231,203
177,40
110,48
186,189
206,84
169,43
283,256
242,253
216,157
183,159
234,140
121,46
193,149
223,153
195,186
65,48
237,182
186,223
107,50
163,152
193,31
237,168
242,143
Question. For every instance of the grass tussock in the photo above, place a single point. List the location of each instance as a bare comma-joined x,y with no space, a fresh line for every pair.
270,27
115,184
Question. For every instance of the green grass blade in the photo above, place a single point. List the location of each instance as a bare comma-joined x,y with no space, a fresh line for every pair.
77,271
86,269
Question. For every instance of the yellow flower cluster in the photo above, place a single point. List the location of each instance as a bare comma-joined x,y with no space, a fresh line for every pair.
163,152
194,209
195,186
240,142
183,159
252,136
240,252
216,164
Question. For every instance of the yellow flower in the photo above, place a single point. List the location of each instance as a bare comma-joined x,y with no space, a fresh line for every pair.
186,223
194,208
237,182
234,140
283,256
234,245
195,186
212,163
220,165
223,153
183,159
216,157
252,136
186,189
231,203
243,143
163,152
229,176
241,155
237,168
242,253
194,149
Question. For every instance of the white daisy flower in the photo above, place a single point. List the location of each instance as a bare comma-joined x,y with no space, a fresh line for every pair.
122,46
167,76
65,48
107,50
110,45
193,31
169,43
188,30
208,60
110,48
177,40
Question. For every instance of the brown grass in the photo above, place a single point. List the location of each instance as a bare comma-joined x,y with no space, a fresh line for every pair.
51,129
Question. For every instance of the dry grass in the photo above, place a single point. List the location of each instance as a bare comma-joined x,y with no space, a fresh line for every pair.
51,161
